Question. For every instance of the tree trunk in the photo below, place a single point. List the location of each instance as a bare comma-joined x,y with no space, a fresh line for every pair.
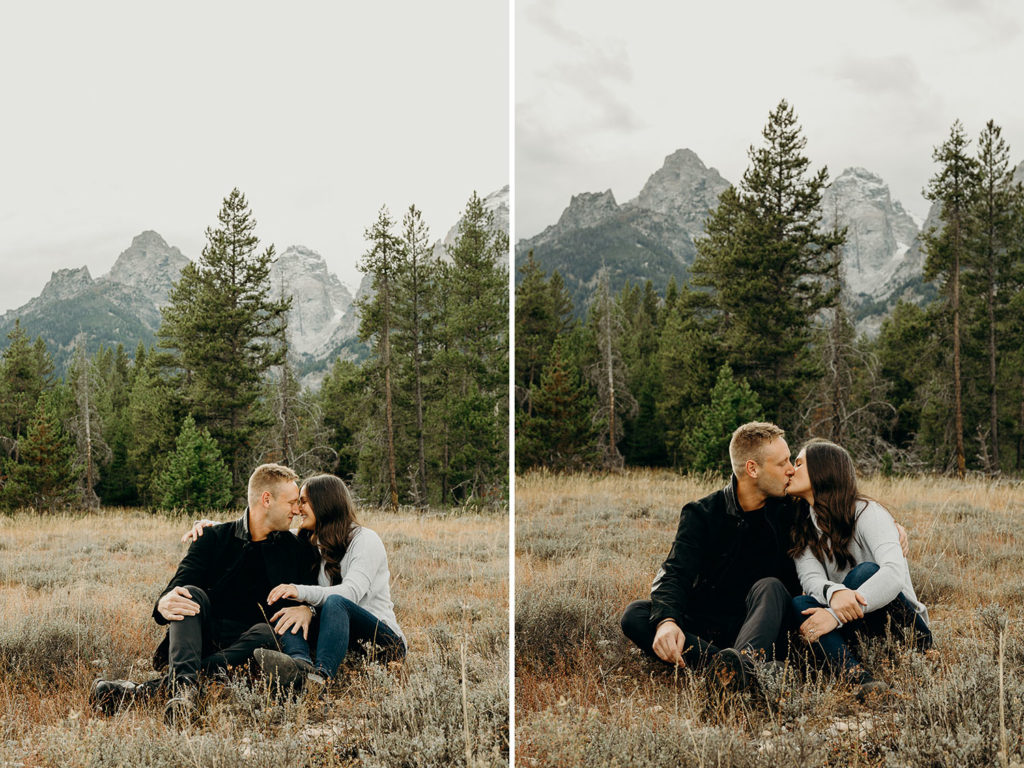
389,418
961,468
993,395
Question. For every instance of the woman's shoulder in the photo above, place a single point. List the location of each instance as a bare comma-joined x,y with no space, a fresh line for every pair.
872,513
365,537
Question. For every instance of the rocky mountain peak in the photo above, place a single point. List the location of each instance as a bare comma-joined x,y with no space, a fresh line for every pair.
66,284
319,300
683,188
150,265
497,203
879,233
587,209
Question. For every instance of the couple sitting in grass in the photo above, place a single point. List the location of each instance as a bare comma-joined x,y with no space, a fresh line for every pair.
323,590
781,547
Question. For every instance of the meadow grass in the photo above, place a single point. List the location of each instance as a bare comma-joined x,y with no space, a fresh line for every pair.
586,546
76,596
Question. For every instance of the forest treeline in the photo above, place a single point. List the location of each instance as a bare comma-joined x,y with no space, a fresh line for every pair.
661,375
423,420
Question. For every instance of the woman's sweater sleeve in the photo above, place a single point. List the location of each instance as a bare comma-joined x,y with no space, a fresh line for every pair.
365,556
877,532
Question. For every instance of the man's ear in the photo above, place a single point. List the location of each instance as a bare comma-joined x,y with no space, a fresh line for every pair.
266,497
751,468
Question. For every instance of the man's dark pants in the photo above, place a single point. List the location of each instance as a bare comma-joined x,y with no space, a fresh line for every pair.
208,644
761,632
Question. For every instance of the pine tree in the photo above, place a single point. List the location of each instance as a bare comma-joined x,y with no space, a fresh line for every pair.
543,313
117,484
25,373
376,312
614,400
952,187
770,265
342,400
732,403
86,426
152,414
687,360
45,477
992,221
559,434
225,332
195,477
414,300
472,359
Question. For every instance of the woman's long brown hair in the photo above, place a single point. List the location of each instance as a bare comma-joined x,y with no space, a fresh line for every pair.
834,483
335,521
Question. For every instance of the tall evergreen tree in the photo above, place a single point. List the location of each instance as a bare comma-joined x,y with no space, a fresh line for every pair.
153,416
117,483
225,331
993,221
770,265
559,433
86,426
25,373
473,352
45,477
195,477
731,403
614,400
952,187
380,264
414,298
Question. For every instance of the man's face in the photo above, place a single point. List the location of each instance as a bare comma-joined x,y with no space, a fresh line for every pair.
774,473
280,505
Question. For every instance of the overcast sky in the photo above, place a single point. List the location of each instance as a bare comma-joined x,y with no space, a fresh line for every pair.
124,116
603,93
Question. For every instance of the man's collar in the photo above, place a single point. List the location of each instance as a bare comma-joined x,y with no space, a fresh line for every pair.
732,505
242,527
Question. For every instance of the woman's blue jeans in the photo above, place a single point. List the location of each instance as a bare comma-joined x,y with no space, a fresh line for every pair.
835,646
340,624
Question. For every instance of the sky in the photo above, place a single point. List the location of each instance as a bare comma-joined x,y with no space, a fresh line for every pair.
118,117
603,95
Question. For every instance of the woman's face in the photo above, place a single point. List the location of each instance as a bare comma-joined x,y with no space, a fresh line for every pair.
306,518
800,483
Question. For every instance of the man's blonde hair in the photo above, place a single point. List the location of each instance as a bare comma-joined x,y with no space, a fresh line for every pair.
266,477
749,442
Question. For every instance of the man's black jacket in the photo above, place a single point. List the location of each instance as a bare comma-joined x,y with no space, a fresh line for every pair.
214,556
709,569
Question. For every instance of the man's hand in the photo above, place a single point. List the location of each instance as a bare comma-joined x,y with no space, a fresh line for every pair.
904,541
848,605
820,623
294,617
669,641
281,592
196,530
177,604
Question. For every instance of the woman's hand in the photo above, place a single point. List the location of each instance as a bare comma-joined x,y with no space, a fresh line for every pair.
848,604
281,592
197,530
294,617
820,623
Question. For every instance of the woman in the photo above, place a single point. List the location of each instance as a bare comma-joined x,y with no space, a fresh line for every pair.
351,601
852,569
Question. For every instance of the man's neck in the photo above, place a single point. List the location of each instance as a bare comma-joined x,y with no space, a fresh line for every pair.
749,496
258,527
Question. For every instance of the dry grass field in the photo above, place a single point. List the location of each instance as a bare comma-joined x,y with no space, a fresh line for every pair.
76,594
586,546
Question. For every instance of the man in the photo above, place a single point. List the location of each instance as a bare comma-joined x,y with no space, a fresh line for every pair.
215,605
722,597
